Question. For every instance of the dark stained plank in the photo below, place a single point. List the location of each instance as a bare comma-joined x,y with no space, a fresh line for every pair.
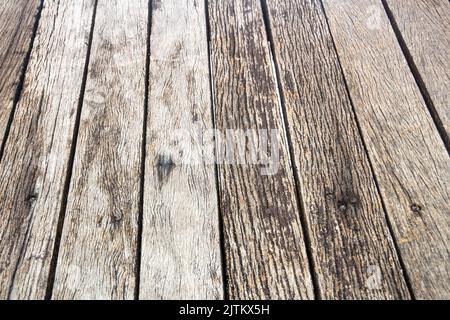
265,251
424,26
97,258
181,256
350,239
408,155
17,19
36,156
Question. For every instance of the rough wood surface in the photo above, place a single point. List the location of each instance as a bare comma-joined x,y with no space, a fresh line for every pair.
265,251
407,153
17,19
425,27
181,244
97,258
350,239
34,164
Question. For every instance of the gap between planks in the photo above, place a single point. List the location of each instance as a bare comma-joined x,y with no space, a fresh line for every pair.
97,256
38,151
418,77
216,166
143,150
180,243
264,242
406,149
290,150
19,89
348,175
73,148
388,221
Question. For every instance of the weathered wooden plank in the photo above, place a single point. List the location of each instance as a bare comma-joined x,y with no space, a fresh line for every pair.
407,153
17,19
425,28
265,251
97,258
35,160
350,239
180,243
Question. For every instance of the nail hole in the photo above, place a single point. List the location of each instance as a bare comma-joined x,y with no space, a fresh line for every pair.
31,197
416,208
353,200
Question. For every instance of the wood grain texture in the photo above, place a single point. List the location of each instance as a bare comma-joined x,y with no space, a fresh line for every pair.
97,258
350,238
181,256
17,19
425,27
265,251
407,153
34,164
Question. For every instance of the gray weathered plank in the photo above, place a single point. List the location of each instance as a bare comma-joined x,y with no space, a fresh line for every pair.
407,153
265,251
97,258
17,19
350,239
425,27
180,243
35,161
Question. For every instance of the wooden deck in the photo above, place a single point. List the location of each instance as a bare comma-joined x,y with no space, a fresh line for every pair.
116,175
